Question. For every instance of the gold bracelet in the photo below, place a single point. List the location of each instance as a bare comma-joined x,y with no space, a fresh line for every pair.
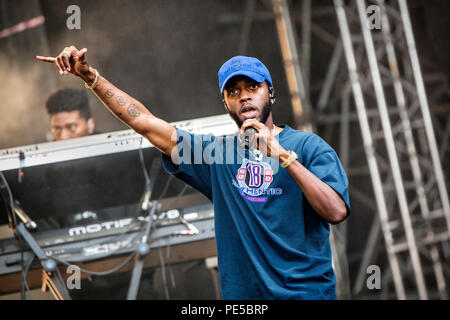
292,157
94,84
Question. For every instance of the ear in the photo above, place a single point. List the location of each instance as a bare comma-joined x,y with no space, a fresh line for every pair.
225,105
272,94
91,125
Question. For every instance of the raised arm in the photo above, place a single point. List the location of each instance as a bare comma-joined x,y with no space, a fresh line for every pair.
130,111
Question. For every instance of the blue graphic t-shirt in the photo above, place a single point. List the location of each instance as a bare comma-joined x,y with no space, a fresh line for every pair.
271,243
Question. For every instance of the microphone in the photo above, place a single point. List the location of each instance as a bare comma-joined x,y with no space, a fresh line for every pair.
248,139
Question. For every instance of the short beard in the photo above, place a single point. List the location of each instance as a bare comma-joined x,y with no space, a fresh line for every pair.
266,111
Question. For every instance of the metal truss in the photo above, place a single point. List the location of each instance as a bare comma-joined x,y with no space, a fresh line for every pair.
420,220
394,162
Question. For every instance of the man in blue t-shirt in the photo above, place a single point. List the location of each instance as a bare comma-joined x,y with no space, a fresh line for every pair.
274,195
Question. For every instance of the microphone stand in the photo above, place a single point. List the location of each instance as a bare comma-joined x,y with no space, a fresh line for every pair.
20,231
50,277
145,205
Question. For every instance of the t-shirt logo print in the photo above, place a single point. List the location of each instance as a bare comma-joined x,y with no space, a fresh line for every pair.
254,177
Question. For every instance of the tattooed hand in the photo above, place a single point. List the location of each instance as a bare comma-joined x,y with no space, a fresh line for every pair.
71,60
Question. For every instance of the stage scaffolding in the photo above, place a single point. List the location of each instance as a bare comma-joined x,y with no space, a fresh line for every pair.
402,140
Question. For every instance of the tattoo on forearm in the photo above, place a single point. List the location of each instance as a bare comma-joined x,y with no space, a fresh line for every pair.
121,100
133,110
109,93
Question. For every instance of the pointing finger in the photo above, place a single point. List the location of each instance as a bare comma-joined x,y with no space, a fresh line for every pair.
46,59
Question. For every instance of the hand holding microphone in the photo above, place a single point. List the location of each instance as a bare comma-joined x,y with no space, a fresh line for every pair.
254,134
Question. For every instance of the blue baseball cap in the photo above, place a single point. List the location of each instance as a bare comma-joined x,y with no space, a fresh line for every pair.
245,66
